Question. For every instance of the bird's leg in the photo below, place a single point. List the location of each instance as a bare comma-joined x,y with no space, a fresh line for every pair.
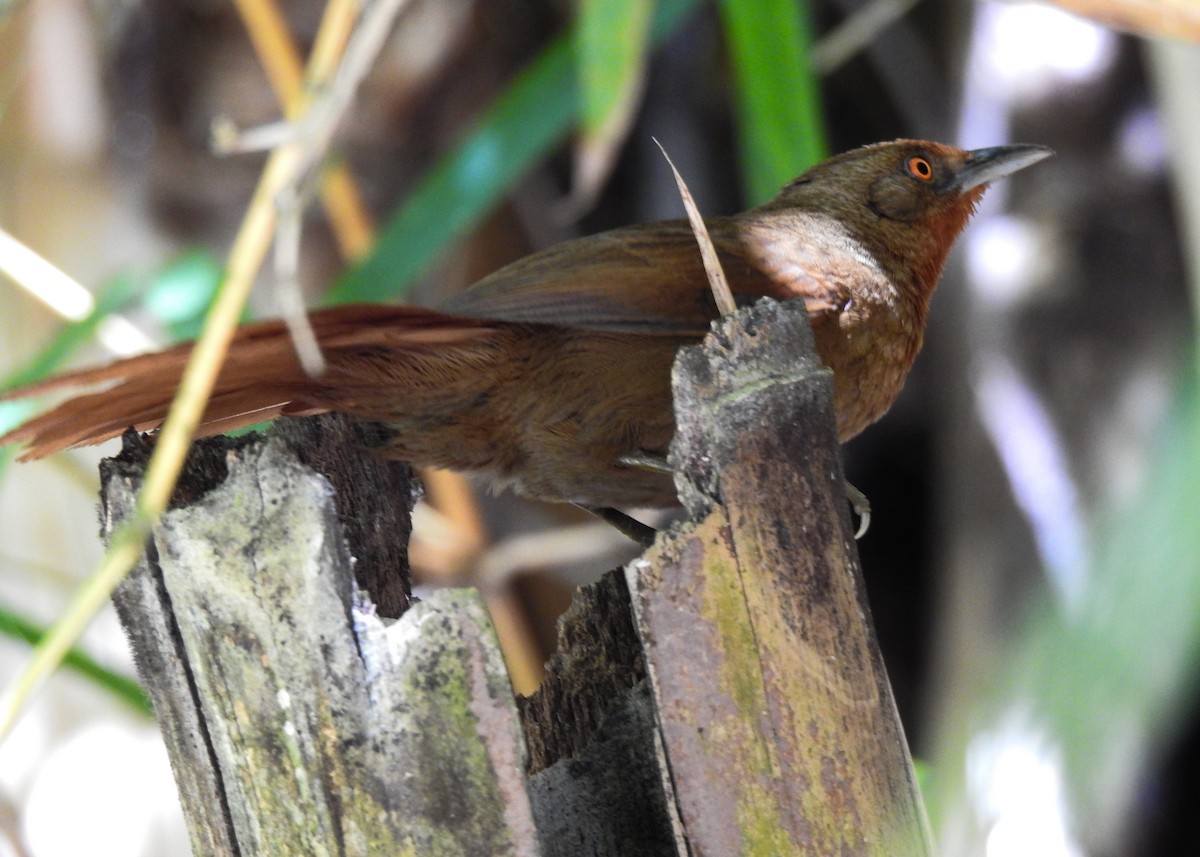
641,533
862,508
858,500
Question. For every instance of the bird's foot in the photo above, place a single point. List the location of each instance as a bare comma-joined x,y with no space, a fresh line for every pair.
644,534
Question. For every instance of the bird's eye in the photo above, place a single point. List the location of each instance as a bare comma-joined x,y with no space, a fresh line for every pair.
919,168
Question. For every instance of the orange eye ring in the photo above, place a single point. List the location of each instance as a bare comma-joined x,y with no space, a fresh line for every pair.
919,168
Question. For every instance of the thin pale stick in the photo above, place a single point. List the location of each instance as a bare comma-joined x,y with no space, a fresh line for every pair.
708,253
199,377
280,58
287,283
858,30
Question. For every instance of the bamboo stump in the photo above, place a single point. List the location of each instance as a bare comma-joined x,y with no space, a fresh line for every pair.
297,719
721,695
747,637
780,727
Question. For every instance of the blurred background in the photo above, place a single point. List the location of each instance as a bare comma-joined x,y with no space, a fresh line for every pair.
1033,563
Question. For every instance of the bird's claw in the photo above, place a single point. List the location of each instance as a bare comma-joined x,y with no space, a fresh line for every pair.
862,508
643,534
646,461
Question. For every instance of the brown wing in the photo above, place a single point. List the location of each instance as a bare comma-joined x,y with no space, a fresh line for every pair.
641,279
646,279
260,379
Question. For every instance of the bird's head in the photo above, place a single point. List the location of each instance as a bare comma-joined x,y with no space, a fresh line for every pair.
906,201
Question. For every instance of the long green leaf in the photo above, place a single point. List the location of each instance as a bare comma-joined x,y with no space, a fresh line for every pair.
612,40
122,687
114,297
176,296
779,107
1120,672
524,124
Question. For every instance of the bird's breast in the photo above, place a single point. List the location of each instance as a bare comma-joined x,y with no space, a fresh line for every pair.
867,329
870,341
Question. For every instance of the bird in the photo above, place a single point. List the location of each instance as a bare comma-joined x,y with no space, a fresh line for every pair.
551,376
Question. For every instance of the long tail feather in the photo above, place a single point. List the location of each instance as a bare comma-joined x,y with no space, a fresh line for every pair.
260,380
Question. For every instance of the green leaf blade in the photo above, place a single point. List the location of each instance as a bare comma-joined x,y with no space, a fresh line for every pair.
15,626
524,124
612,38
780,124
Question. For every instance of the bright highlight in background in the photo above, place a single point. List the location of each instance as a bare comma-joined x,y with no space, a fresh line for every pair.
1015,781
43,280
118,787
1003,254
1027,441
1034,48
66,297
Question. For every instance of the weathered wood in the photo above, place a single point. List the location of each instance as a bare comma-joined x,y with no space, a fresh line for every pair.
777,719
722,695
374,497
297,720
596,773
773,731
144,608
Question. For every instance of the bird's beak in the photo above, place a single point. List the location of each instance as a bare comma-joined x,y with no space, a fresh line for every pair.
987,165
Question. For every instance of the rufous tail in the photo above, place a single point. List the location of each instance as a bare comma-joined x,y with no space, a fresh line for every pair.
260,379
